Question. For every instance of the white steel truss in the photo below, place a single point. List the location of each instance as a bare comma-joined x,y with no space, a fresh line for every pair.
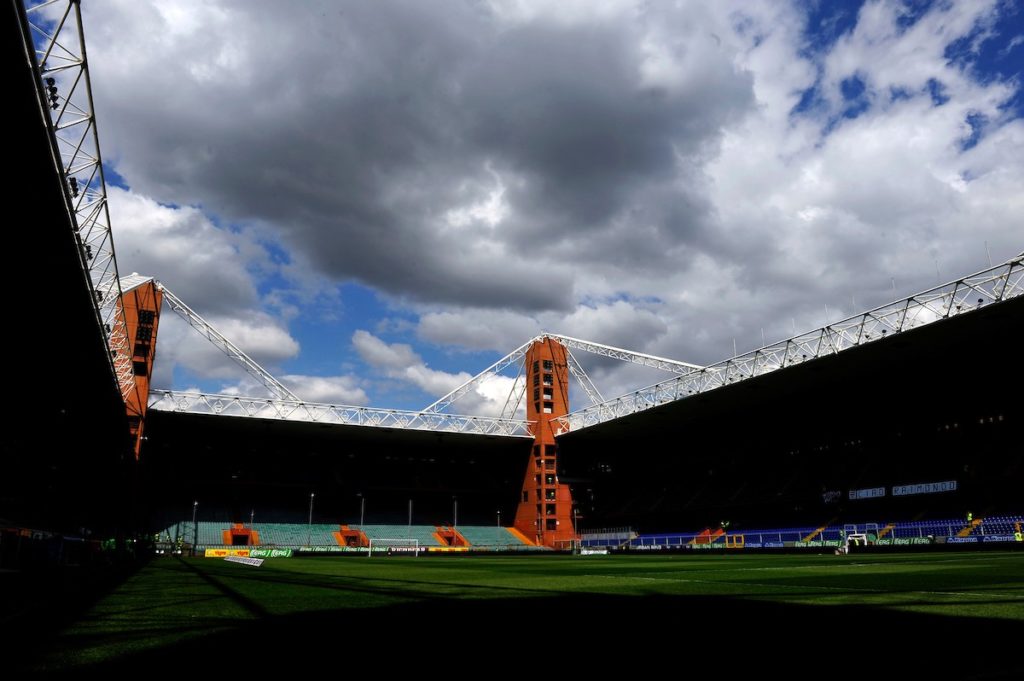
673,366
515,396
993,285
285,406
670,365
963,295
312,412
227,347
65,93
593,394
508,360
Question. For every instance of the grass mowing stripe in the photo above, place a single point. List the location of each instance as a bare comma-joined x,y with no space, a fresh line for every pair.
177,604
774,585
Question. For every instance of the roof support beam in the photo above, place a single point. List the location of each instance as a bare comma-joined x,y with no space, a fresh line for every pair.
313,412
219,341
993,285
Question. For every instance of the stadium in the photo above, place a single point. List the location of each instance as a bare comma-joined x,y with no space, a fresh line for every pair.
143,527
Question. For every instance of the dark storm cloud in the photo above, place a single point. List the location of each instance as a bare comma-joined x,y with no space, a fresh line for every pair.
573,117
354,131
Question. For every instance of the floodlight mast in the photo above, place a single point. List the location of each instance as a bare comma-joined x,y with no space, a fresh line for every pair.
64,90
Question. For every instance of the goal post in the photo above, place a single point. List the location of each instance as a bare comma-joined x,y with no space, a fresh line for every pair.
388,547
852,539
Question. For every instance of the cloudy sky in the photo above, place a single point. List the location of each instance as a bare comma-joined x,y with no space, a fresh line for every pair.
378,199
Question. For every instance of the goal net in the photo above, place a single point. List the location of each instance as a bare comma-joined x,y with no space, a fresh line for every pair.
852,539
391,547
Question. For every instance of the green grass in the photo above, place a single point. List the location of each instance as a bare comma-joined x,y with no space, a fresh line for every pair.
195,607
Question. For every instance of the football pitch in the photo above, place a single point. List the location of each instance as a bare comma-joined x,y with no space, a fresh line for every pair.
954,610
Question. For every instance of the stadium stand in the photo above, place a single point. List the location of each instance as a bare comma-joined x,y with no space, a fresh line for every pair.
493,538
424,534
1003,525
295,534
938,529
211,533
490,538
606,538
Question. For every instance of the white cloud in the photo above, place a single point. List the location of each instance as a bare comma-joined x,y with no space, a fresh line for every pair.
377,353
639,175
209,269
566,13
621,323
259,336
330,389
432,381
476,329
489,210
398,361
338,390
180,246
888,56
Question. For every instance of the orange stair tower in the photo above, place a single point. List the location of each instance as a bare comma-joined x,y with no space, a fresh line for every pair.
545,511
141,309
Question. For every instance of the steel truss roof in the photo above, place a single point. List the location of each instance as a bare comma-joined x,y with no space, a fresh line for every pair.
958,297
133,281
220,341
663,363
313,412
65,93
993,285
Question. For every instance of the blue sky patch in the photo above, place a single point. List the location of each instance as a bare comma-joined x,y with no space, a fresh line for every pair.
937,91
912,12
827,22
114,178
977,122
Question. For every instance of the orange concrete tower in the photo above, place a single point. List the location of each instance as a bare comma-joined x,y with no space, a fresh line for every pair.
142,301
544,513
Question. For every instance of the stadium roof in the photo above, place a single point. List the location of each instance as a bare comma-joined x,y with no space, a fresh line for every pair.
921,373
133,281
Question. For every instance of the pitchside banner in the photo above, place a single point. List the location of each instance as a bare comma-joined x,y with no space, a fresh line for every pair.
816,543
332,549
224,553
270,553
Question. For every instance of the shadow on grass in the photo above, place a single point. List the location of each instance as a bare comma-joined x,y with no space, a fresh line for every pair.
569,633
40,602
